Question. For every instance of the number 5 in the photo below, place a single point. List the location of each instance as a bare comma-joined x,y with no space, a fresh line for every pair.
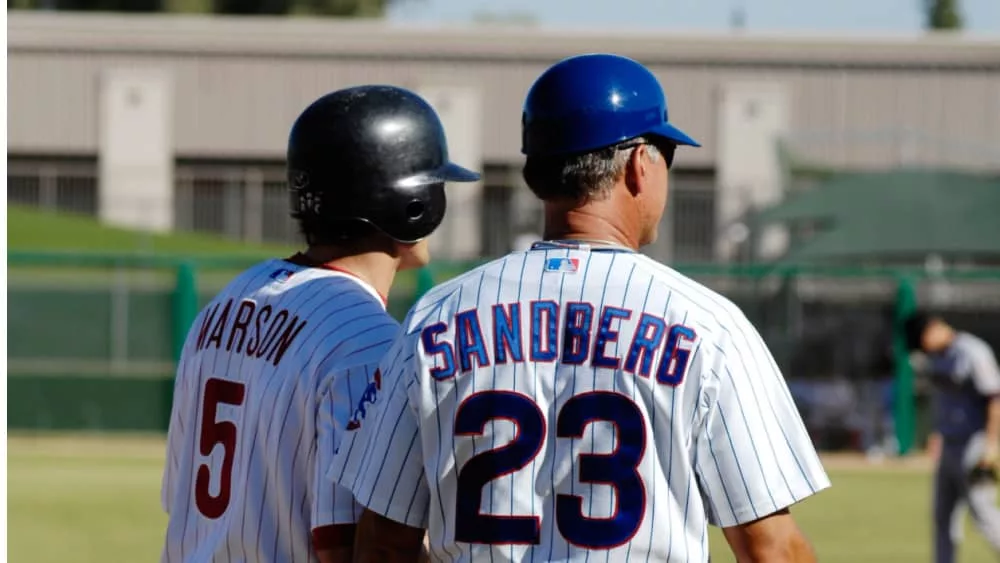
212,432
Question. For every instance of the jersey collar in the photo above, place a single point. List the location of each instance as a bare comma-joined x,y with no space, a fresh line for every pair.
581,245
304,261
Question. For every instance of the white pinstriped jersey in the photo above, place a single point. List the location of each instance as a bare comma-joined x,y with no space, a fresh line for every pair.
272,372
567,404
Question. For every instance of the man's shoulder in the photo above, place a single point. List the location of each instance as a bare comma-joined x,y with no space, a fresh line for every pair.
258,271
447,294
971,343
697,299
359,338
280,279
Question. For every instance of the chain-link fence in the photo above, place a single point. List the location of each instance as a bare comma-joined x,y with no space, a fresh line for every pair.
92,339
88,346
831,331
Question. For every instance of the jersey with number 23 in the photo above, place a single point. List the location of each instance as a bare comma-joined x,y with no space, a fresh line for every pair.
571,402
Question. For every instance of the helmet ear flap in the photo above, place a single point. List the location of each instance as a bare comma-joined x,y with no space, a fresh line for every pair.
414,215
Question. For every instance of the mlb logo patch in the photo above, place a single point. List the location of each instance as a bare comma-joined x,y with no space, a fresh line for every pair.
566,265
281,275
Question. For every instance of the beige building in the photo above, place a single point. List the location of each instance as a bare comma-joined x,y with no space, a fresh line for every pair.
181,122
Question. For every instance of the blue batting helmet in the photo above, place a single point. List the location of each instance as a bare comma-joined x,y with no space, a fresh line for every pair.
593,101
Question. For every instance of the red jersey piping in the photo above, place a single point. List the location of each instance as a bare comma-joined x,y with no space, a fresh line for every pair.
300,259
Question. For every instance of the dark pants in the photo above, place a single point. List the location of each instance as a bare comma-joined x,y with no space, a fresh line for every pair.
952,491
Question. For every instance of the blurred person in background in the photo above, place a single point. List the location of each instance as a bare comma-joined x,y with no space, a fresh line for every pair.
283,361
965,382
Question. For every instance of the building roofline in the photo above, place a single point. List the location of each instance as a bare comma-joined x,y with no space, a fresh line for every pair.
329,37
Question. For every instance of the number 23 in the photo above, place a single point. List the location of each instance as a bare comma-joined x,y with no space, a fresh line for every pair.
619,469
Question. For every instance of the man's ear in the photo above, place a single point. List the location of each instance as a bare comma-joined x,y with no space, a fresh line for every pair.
636,170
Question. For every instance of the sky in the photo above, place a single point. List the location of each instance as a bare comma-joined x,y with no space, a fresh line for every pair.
796,16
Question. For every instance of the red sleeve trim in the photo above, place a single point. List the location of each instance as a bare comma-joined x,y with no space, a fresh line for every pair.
333,536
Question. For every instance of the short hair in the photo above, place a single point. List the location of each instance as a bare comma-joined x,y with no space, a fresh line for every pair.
913,329
580,177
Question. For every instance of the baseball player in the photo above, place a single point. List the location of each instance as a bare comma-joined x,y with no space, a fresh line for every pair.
578,401
966,390
283,360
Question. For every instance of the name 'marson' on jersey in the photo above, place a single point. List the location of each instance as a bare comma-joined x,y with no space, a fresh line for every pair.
271,375
566,400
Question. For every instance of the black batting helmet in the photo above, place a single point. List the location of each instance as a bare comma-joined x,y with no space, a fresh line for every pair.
369,156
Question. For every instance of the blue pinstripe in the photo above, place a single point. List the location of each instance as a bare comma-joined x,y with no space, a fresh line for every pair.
713,318
739,467
593,435
722,479
693,477
395,486
707,296
756,452
614,387
379,416
555,408
652,424
524,264
442,437
670,456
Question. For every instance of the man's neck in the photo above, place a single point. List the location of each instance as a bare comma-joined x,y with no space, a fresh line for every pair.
589,223
377,269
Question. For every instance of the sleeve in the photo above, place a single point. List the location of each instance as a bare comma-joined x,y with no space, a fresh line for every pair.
985,373
753,455
381,460
331,504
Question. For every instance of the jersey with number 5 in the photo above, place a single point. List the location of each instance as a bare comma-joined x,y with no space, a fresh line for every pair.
273,372
577,404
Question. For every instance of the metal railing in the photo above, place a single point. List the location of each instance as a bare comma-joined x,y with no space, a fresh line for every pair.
249,202
101,317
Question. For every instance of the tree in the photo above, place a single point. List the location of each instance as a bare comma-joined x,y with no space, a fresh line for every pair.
504,18
943,14
343,8
251,7
104,5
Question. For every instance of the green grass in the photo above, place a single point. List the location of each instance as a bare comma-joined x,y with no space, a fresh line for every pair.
88,499
97,499
32,229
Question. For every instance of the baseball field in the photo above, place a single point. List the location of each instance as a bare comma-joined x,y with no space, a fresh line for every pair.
96,499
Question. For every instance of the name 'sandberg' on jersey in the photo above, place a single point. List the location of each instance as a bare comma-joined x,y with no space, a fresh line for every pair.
584,338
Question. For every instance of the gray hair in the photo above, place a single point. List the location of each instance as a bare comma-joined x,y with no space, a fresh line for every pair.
581,177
